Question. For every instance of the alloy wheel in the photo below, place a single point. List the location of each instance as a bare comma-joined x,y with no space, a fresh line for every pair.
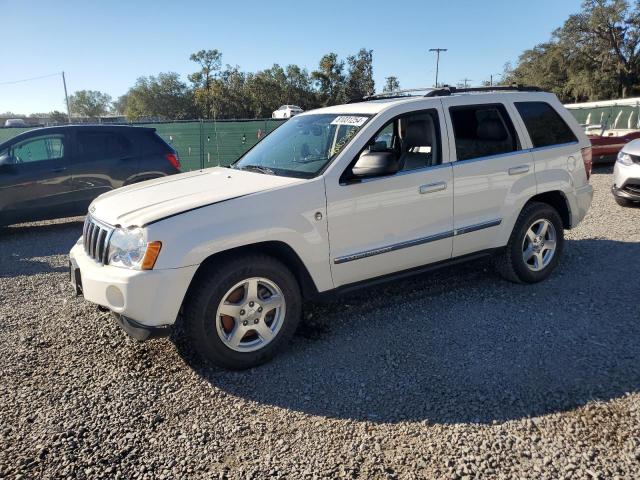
250,314
539,245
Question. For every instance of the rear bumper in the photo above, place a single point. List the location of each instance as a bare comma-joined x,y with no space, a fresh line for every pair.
146,303
580,203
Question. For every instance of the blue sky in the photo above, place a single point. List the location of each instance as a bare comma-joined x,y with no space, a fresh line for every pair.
107,45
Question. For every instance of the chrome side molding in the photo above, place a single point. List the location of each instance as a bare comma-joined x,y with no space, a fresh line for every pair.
417,241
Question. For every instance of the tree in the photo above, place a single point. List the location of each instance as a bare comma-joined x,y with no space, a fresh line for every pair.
360,77
162,97
299,88
90,103
391,84
210,62
58,117
330,80
603,44
119,105
266,90
229,94
594,55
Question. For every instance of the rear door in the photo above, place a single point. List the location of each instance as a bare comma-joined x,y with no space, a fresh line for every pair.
493,174
555,147
104,159
34,179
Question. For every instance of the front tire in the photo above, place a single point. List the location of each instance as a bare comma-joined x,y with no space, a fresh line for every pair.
623,202
242,312
535,245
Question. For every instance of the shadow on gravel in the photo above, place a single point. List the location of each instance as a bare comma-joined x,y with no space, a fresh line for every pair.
23,248
463,346
603,169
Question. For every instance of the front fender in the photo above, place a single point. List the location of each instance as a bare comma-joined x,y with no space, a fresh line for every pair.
286,215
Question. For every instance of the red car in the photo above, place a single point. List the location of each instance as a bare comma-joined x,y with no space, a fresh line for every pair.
605,147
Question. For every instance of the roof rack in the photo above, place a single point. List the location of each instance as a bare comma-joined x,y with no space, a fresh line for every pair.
393,94
447,90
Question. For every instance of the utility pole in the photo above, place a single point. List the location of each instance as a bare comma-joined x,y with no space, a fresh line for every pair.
466,82
66,97
437,50
491,79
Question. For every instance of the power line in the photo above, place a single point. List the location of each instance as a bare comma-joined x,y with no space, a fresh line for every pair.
29,79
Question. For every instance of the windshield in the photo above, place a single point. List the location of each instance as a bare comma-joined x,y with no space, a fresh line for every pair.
303,145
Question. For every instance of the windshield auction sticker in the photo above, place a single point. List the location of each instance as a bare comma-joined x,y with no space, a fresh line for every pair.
349,120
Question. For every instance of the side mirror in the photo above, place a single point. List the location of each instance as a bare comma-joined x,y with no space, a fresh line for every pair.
5,159
376,164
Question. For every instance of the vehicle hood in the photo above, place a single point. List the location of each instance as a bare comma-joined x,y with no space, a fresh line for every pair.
153,200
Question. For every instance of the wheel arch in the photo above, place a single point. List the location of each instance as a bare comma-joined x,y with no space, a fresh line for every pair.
558,200
276,249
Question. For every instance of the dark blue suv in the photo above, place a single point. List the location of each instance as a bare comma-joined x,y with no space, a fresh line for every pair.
57,171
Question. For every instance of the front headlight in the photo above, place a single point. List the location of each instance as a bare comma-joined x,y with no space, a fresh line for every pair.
625,159
128,248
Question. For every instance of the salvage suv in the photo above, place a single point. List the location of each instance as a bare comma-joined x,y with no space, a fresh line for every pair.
334,199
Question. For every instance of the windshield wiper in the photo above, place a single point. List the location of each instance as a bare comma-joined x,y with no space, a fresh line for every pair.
259,169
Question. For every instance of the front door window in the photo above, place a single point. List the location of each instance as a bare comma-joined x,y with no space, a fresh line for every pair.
48,147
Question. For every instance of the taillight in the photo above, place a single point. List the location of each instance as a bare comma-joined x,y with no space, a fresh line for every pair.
173,160
587,159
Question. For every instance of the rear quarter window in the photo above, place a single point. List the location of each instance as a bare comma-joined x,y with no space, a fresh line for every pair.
545,126
149,142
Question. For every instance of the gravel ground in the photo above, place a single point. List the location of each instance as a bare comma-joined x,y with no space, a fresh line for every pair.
456,374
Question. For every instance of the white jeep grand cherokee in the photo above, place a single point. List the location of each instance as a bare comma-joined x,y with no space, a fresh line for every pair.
333,199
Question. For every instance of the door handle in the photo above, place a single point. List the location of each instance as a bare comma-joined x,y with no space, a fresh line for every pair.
432,187
59,169
519,170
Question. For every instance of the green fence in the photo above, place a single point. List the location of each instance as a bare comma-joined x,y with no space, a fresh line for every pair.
200,143
10,132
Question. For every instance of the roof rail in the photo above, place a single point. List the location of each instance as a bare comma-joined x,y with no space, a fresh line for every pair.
393,94
447,90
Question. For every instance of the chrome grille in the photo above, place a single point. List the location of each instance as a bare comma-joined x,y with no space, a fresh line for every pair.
95,238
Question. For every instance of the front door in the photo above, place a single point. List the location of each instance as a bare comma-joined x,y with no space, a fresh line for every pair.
383,225
34,179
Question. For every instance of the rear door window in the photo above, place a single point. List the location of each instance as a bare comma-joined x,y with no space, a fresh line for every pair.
545,126
96,145
483,131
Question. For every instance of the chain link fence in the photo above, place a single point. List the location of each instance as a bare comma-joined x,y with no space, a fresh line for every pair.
199,143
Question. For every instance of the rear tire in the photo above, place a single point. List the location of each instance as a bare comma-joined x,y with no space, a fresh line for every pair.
535,245
242,312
